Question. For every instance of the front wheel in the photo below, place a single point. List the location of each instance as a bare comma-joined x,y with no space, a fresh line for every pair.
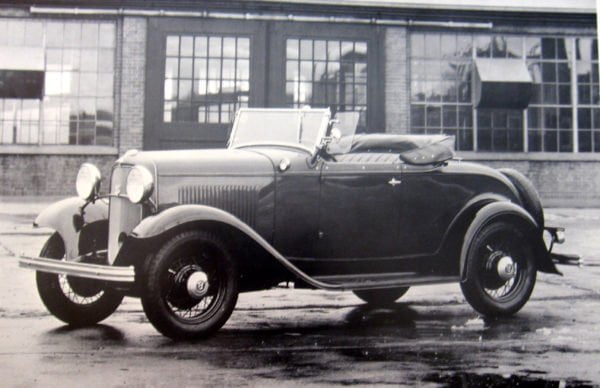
75,301
501,270
190,286
381,297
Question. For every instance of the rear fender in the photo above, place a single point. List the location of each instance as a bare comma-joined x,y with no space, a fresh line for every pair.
509,211
68,219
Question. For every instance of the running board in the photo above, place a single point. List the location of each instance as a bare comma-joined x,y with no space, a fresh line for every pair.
381,280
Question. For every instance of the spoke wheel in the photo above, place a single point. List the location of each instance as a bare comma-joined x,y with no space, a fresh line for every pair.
191,286
381,297
500,270
76,301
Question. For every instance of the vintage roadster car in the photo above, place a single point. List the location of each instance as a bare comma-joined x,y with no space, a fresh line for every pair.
296,196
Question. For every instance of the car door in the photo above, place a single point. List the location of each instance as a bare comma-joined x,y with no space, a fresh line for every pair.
360,209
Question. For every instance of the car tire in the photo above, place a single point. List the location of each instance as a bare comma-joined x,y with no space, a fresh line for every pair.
190,287
501,270
75,301
381,297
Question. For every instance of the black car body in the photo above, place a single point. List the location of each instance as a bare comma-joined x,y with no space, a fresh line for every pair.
290,199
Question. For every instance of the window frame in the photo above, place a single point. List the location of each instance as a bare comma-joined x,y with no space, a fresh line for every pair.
165,135
45,132
280,32
572,107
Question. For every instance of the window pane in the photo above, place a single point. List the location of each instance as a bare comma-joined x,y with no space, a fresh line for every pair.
89,35
72,36
107,35
229,47
186,46
172,45
54,34
205,69
243,48
201,46
328,73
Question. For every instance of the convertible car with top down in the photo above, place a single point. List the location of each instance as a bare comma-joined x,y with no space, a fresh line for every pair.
297,197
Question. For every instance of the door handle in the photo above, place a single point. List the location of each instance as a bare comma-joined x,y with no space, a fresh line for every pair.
394,182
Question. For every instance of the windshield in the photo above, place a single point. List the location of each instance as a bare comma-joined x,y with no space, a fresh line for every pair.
301,128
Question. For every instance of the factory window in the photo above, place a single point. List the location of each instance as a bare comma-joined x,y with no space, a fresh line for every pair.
499,129
550,114
207,78
441,66
327,73
588,111
77,63
564,105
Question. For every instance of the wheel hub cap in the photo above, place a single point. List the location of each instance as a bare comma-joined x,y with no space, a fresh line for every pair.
506,268
197,285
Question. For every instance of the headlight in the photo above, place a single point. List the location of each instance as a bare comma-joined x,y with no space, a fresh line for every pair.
88,180
140,184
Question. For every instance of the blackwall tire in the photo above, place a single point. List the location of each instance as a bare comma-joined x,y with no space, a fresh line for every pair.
178,311
501,270
69,299
381,297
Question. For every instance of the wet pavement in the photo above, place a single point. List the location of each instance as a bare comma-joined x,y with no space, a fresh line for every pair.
431,337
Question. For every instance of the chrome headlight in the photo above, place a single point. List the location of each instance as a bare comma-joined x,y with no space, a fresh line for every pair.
140,184
88,180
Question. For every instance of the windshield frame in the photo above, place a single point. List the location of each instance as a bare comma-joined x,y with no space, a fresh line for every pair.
321,133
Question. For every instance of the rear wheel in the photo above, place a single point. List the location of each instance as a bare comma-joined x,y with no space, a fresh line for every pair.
190,286
501,270
76,301
381,297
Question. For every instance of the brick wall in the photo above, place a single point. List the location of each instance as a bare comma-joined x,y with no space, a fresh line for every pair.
397,104
131,60
560,183
47,174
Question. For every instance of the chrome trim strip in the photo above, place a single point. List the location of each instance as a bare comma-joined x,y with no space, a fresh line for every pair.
83,270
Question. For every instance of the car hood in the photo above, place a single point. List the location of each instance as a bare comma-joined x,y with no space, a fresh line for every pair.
200,162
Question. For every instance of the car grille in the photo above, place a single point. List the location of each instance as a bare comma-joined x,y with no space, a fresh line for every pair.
123,215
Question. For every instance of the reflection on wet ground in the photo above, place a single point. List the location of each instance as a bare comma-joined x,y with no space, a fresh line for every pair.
414,340
416,343
489,380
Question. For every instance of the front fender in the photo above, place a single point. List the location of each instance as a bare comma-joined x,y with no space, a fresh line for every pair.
168,219
67,219
165,221
506,209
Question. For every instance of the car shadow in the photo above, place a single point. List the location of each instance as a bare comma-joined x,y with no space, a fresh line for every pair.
99,332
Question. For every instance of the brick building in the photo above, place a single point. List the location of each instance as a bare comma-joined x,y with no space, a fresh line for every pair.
87,80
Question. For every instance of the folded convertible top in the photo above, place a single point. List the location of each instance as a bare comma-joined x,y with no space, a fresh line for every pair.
413,149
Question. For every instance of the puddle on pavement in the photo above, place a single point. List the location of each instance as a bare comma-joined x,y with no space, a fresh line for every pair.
498,381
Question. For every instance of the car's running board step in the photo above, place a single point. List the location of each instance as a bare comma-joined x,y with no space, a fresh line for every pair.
83,270
383,280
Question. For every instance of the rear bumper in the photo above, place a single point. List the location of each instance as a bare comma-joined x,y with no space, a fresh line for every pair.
82,270
557,236
565,259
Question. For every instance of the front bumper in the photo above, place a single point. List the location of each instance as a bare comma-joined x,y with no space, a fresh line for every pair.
82,270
